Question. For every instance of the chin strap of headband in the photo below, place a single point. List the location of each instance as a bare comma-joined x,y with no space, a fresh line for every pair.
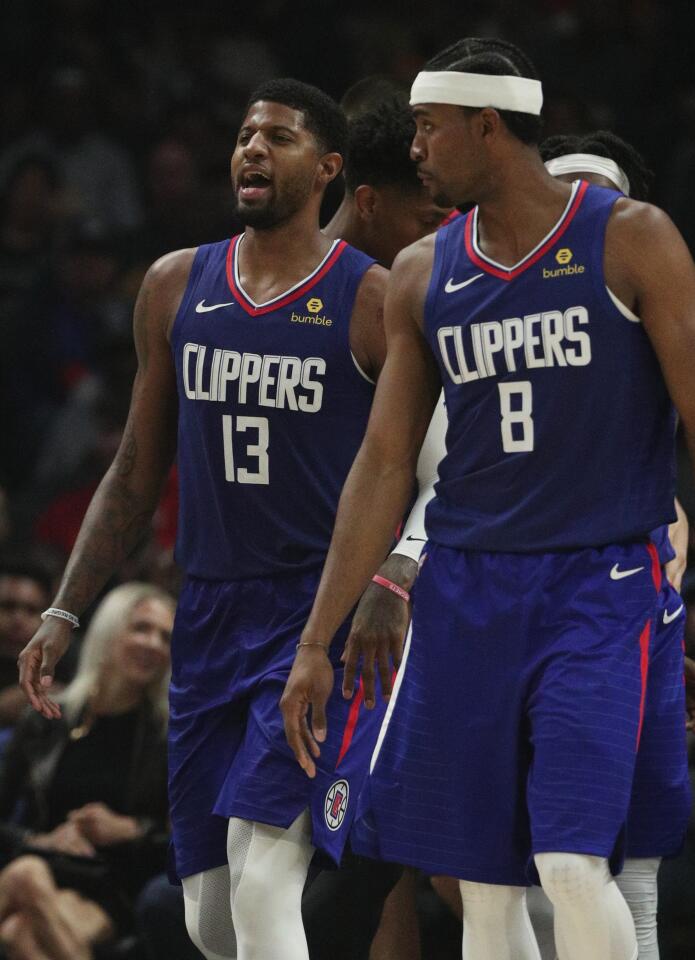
519,94
590,163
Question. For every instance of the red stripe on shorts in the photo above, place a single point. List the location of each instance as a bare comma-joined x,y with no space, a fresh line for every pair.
656,566
351,723
644,670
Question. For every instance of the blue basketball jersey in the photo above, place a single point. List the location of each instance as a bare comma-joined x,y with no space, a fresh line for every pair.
272,410
560,425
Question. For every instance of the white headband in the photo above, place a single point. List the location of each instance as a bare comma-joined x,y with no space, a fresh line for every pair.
590,163
477,90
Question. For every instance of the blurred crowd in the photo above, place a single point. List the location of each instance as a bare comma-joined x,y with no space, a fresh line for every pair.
116,123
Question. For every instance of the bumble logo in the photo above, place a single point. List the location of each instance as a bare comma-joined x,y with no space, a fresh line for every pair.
313,318
567,269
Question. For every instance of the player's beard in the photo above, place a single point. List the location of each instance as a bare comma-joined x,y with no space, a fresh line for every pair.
278,208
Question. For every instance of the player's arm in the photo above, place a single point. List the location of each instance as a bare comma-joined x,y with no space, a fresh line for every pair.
373,501
678,534
367,336
381,614
649,267
125,500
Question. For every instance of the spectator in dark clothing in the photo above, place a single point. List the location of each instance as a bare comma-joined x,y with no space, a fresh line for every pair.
25,590
85,795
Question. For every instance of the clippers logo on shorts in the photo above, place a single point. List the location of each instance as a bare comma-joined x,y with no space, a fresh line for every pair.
336,804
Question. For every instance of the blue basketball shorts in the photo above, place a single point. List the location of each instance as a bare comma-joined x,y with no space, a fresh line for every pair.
661,798
232,650
517,712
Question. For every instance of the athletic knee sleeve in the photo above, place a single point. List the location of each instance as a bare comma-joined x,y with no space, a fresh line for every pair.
496,923
209,915
638,886
591,916
268,867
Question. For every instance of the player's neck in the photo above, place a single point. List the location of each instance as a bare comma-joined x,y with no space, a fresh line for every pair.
290,250
521,207
344,224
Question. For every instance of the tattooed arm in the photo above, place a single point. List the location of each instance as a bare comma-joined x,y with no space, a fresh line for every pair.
126,498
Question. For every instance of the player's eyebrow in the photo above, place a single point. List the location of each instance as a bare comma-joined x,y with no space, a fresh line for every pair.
271,127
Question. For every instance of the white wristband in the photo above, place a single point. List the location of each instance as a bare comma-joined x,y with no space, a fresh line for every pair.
62,615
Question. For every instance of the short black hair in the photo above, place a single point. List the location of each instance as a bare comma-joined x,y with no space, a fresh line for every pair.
322,115
497,58
378,151
27,569
604,143
369,92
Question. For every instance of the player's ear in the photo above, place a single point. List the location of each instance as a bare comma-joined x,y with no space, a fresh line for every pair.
330,166
366,201
489,121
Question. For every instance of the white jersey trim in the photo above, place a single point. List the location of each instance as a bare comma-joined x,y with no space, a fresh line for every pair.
392,701
360,370
500,266
281,296
626,312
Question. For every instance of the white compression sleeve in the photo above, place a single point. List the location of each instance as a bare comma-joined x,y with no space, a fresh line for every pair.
638,885
209,913
591,917
268,867
496,923
433,449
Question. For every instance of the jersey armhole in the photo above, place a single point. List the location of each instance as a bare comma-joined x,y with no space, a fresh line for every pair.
191,284
626,312
360,370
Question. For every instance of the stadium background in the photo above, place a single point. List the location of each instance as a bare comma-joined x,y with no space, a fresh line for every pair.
116,125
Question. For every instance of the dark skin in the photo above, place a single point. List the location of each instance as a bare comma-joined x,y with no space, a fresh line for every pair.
380,221
273,258
471,157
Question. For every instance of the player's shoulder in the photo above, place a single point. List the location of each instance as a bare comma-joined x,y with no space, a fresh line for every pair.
413,265
173,267
373,283
634,221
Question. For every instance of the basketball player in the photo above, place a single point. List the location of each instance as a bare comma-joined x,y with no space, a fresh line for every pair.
510,743
269,344
660,801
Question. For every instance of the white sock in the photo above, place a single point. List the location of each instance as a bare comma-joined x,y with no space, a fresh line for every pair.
496,923
268,868
637,884
591,916
208,913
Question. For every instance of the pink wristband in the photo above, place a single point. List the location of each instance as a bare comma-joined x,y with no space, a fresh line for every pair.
393,587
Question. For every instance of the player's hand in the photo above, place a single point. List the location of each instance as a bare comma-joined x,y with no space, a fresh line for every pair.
37,663
378,632
101,826
309,684
690,693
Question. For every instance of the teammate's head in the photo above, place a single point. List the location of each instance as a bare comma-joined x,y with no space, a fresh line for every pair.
393,207
602,143
289,147
369,93
456,146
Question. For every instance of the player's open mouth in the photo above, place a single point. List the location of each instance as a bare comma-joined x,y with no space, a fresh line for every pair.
253,184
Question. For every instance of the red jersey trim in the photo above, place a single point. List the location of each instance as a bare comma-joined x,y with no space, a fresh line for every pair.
256,311
513,272
644,673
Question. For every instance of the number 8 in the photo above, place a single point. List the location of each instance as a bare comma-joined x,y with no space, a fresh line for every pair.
510,443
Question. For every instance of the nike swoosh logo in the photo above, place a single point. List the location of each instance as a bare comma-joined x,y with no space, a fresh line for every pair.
201,308
619,574
668,617
452,287
419,539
